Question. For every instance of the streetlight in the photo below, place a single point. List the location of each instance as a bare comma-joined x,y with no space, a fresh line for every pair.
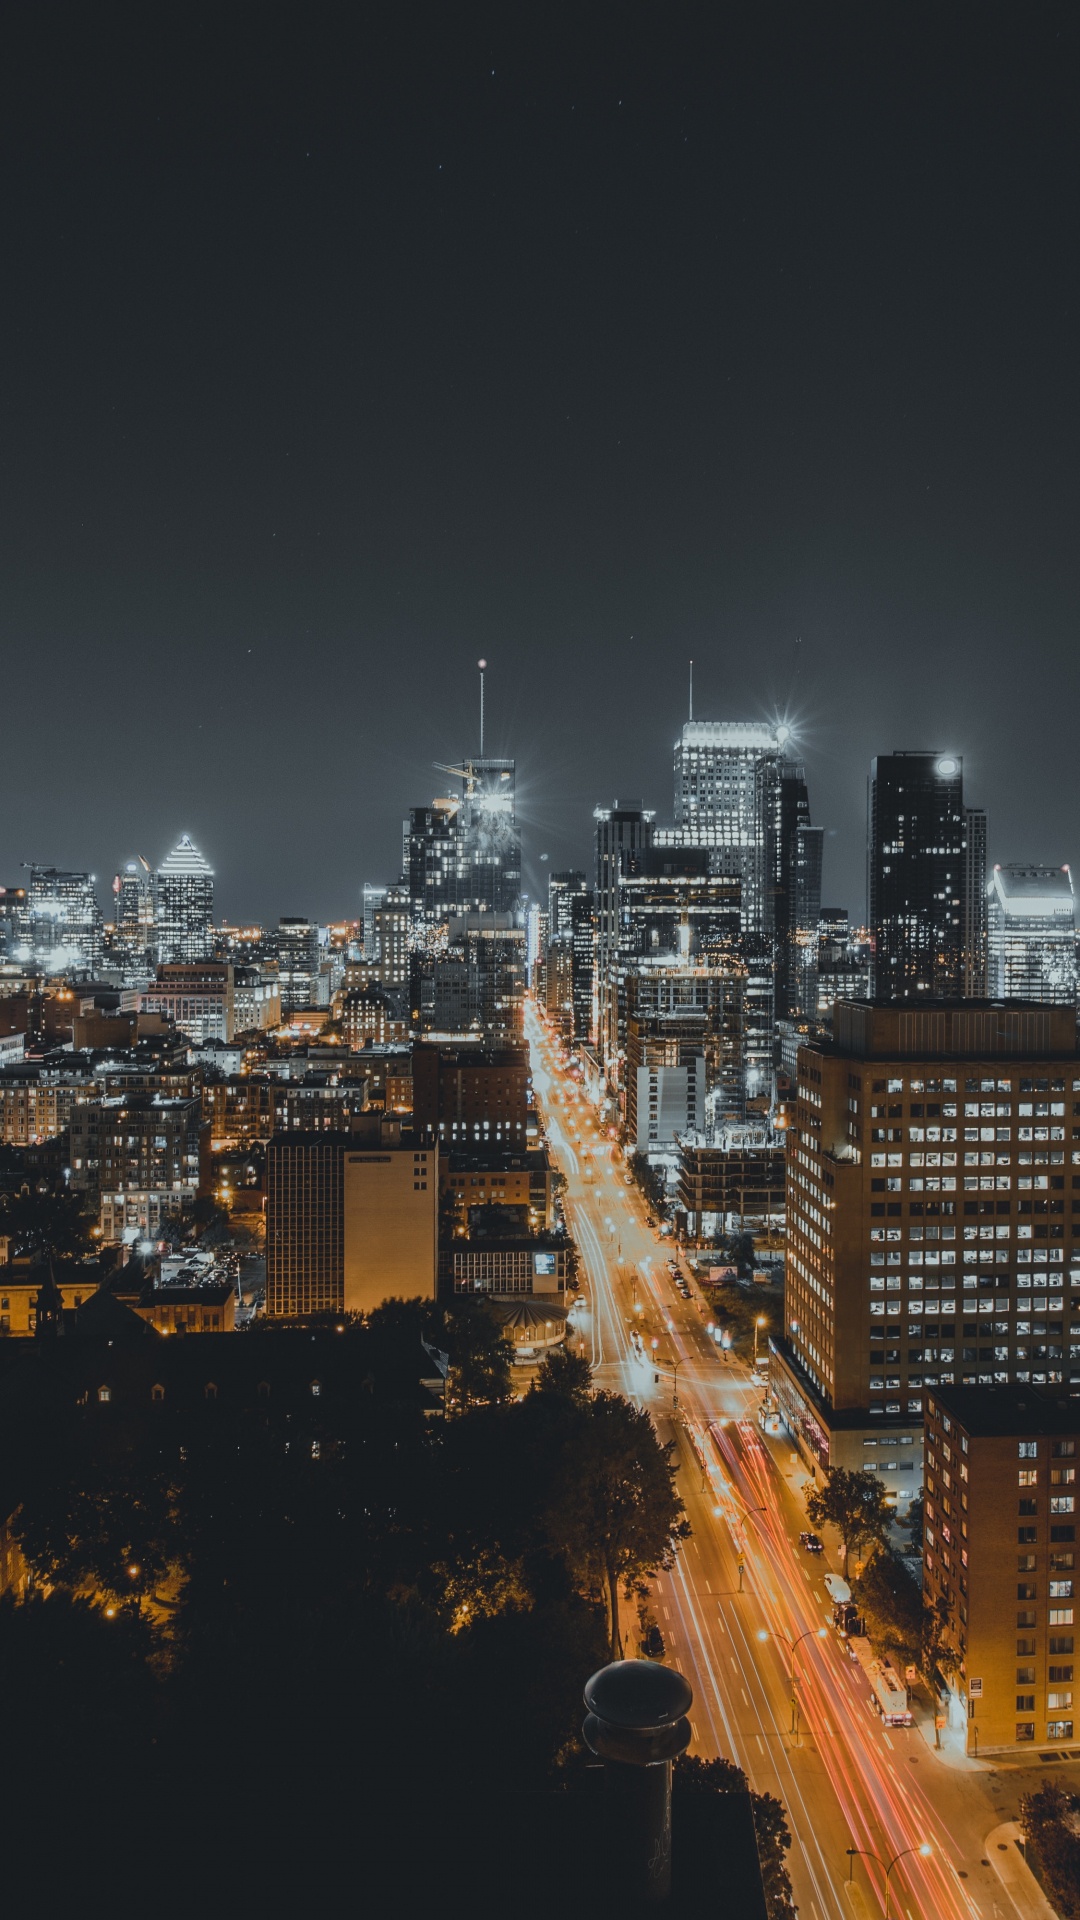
777,1633
758,1324
924,1848
674,1365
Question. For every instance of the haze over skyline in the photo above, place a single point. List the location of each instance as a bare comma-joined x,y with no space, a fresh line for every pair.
337,360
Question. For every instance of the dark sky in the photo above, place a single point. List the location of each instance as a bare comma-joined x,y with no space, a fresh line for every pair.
344,344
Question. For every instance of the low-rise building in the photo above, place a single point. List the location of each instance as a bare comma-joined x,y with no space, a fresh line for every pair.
999,1558
540,1264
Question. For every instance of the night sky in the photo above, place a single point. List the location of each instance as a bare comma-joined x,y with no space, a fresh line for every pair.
344,344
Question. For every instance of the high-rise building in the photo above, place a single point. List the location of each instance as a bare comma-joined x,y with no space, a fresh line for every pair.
999,1560
792,887
570,952
618,831
297,944
975,976
478,985
471,1097
563,889
720,800
917,853
185,904
13,921
64,929
432,863
351,1220
490,837
133,895
930,1240
1032,935
199,996
388,930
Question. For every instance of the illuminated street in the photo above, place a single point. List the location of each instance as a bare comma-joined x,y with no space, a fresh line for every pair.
845,1780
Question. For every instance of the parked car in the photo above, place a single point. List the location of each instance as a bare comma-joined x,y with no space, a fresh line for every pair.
811,1542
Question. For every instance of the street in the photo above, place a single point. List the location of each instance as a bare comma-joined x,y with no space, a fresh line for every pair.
743,1609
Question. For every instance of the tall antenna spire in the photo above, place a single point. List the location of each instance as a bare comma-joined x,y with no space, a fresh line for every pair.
691,689
482,665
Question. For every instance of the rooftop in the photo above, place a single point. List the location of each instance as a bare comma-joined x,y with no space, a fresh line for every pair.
995,1412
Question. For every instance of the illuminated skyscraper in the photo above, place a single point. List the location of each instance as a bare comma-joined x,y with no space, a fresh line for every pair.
185,904
917,855
490,837
133,893
720,800
1032,935
63,921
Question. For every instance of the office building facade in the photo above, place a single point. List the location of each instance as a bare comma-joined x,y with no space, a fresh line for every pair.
999,1560
1031,935
917,849
184,914
931,1220
351,1221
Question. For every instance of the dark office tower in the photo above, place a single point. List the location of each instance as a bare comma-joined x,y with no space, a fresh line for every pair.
431,862
618,830
133,895
570,951
792,887
297,944
917,836
563,889
491,837
975,904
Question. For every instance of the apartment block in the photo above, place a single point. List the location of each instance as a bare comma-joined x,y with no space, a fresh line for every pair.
1000,1556
352,1220
933,1191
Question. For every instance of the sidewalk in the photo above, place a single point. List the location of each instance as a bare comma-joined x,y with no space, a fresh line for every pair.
1014,1873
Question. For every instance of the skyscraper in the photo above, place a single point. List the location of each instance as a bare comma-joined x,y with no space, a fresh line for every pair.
1032,935
975,987
618,830
929,1237
792,901
719,800
133,893
917,851
490,837
63,919
297,944
185,904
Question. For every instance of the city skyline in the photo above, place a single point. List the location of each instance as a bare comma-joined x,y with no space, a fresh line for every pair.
545,847
530,356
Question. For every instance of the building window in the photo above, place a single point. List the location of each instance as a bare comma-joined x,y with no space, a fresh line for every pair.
157,1392
1059,1729
1025,1730
104,1393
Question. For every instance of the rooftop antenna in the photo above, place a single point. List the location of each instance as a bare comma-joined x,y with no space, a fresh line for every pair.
691,689
482,664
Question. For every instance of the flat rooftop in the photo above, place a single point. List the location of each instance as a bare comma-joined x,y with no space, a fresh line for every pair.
995,1412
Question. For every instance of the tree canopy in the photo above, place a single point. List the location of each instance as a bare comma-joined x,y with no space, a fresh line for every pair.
853,1501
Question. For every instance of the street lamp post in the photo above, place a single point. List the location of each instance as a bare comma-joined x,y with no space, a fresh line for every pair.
925,1849
758,1324
777,1633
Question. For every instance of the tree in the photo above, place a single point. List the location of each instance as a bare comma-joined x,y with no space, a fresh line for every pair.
45,1225
915,1519
564,1374
614,1511
480,1357
1049,1818
854,1503
893,1604
699,1779
109,1526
